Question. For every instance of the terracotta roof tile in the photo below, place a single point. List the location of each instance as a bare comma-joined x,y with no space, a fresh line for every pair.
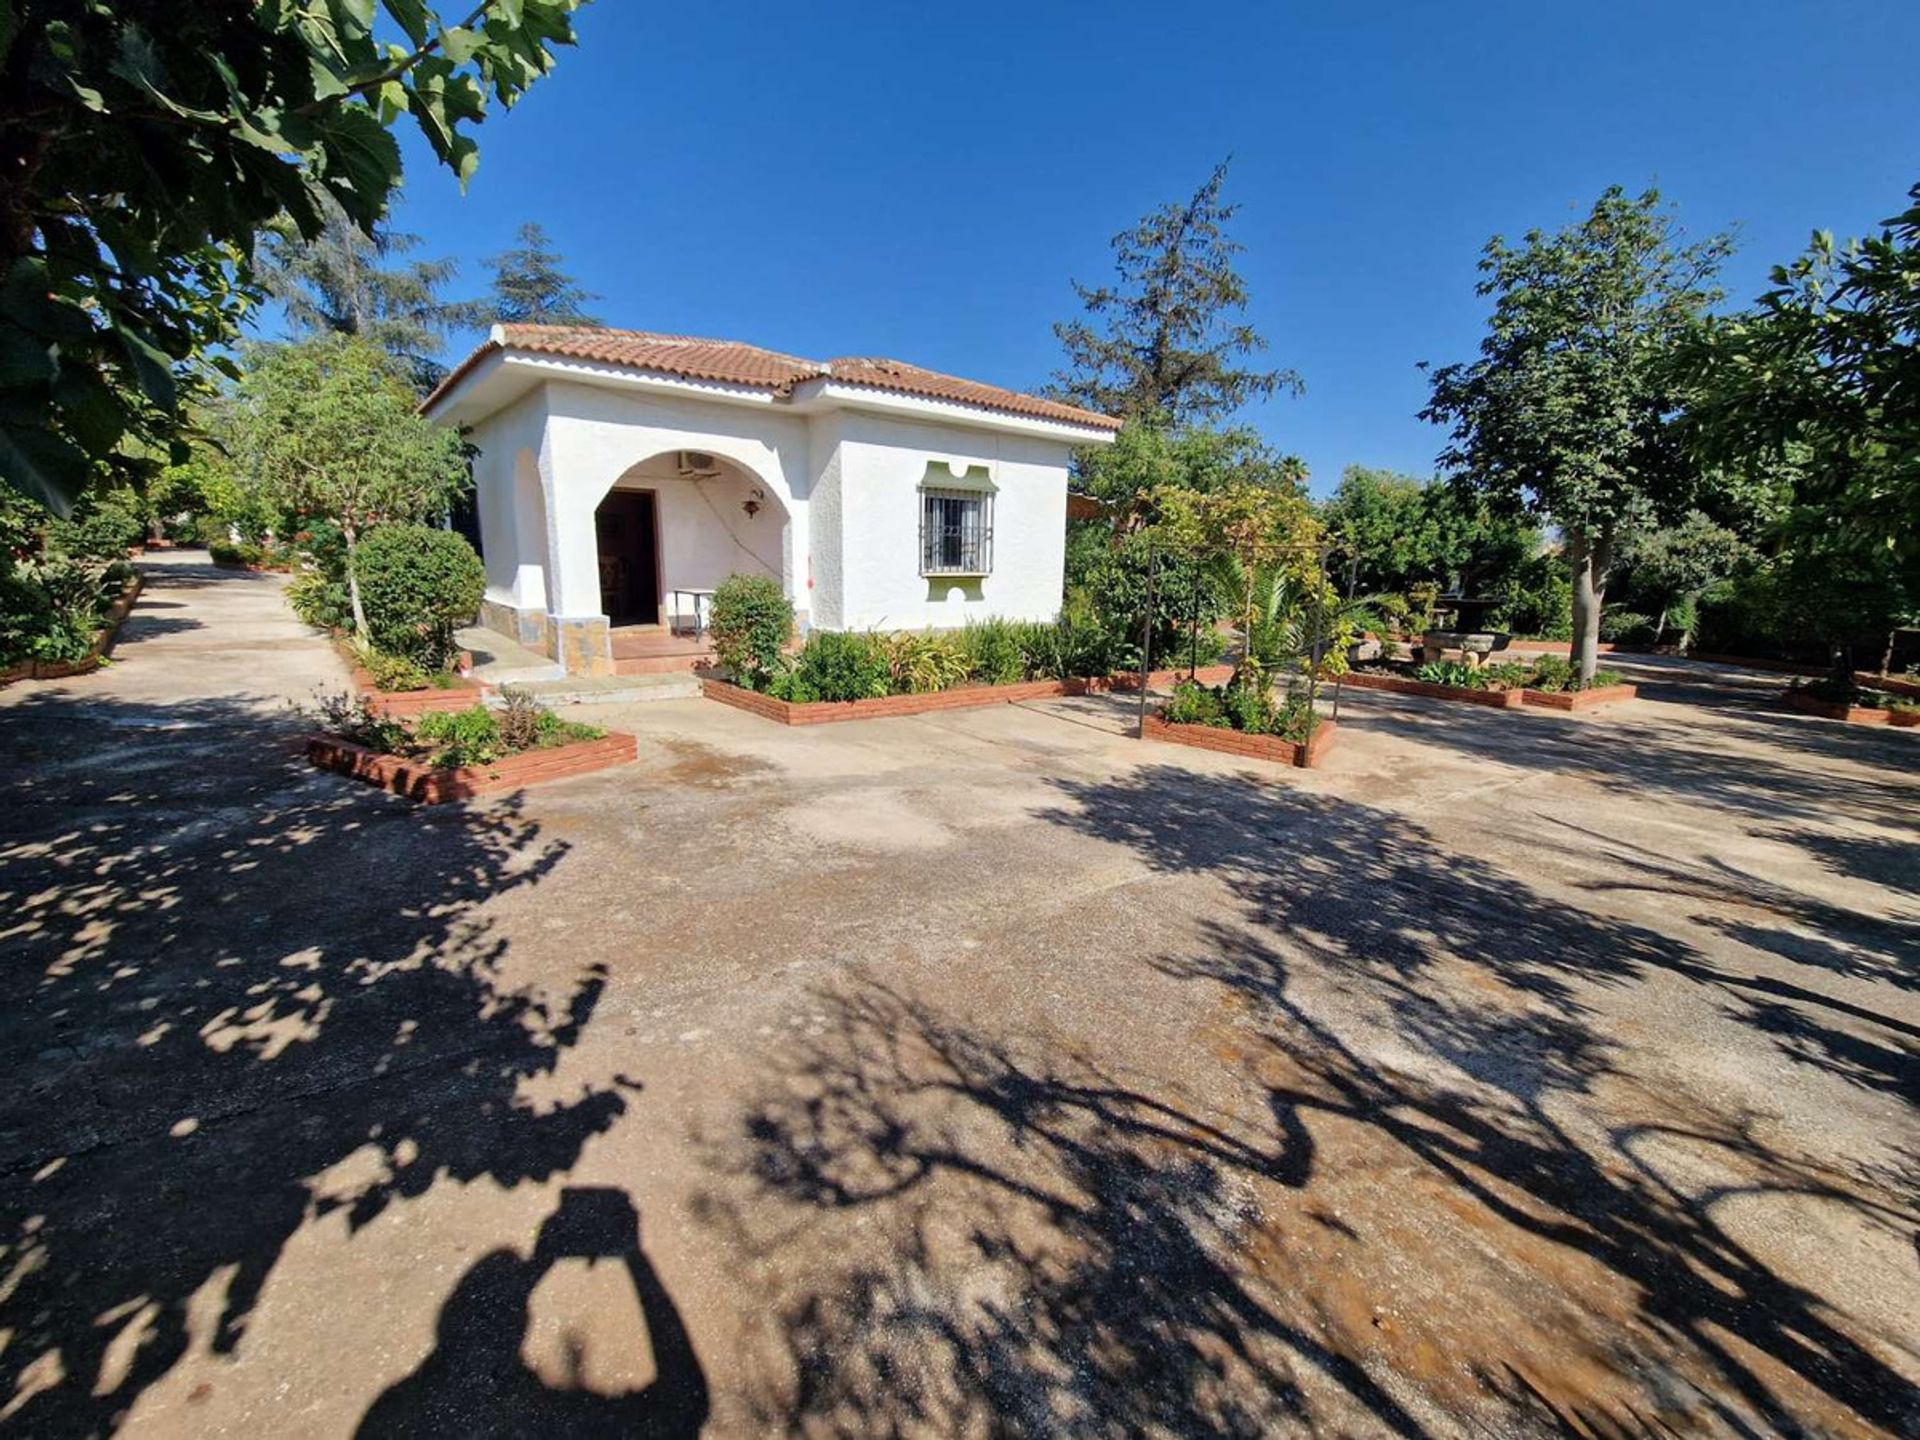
733,363
931,384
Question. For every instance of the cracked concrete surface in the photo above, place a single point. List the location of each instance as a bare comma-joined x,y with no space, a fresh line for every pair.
984,1072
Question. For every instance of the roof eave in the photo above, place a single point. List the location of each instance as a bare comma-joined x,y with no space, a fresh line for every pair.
828,393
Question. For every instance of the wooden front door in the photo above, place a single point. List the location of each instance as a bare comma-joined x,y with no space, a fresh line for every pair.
627,527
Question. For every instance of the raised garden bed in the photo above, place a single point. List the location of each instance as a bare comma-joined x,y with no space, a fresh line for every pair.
1833,710
1580,699
1239,742
1400,685
432,785
963,697
97,652
460,694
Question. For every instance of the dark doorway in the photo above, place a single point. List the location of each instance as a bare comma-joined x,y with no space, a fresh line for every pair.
628,532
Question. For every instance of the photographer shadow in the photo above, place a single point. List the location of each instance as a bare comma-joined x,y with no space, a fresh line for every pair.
477,1382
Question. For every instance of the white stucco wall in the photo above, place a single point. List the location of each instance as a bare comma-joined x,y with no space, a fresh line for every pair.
841,524
508,495
881,464
596,436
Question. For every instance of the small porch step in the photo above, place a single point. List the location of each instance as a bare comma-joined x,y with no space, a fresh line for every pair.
655,650
615,689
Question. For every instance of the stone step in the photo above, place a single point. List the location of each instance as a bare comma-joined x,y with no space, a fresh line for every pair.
682,663
614,689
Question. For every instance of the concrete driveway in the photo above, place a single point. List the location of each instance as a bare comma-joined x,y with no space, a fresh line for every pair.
988,1072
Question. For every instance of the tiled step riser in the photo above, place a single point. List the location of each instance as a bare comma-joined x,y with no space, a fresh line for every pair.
660,664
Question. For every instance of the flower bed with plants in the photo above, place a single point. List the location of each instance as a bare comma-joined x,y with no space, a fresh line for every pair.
1547,682
457,755
1856,704
397,686
839,675
417,584
1241,717
246,555
59,617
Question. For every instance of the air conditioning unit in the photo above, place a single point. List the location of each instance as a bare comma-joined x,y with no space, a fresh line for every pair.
698,465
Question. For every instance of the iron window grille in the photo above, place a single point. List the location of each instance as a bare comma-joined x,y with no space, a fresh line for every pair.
956,532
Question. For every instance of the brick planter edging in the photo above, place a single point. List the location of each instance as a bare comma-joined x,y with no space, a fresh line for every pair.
963,697
825,712
430,786
1830,710
1580,699
97,651
1238,742
1497,699
1904,719
464,694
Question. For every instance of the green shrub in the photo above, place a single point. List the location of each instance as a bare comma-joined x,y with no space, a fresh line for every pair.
1244,703
1391,610
1072,648
460,737
836,665
994,652
50,609
1553,672
391,672
1506,675
417,585
1626,627
105,529
923,662
1194,704
1456,673
319,601
752,620
519,718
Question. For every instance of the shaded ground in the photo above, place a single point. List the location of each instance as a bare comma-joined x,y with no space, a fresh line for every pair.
978,1073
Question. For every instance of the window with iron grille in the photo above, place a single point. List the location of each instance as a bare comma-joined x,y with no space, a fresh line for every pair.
956,532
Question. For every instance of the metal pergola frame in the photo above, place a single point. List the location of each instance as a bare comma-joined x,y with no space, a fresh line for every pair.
1315,644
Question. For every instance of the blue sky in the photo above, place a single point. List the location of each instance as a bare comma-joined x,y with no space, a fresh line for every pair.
923,182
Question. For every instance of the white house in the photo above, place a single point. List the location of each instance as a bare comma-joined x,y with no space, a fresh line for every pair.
622,474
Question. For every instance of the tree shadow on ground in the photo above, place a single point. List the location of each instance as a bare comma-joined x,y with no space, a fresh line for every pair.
1877,859
1646,756
1044,1249
1037,1243
222,975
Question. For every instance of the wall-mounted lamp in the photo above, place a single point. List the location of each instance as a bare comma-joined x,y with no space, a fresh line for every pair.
752,503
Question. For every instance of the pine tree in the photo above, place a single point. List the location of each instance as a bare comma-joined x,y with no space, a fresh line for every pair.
530,288
1161,343
345,282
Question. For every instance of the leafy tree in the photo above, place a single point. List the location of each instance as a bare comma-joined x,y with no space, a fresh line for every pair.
1264,543
1819,385
1568,409
1669,568
1399,531
142,149
325,428
343,281
530,288
1161,342
1147,456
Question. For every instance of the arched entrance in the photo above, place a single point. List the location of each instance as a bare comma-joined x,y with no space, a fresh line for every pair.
667,532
